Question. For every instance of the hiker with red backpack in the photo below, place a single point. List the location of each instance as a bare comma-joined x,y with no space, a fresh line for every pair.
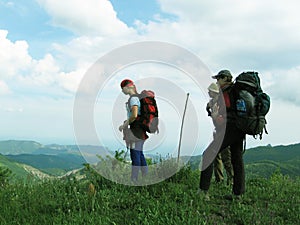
142,118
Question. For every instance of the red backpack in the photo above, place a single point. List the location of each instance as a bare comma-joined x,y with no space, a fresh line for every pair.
149,111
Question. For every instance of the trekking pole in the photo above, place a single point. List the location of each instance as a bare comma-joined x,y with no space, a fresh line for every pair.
180,137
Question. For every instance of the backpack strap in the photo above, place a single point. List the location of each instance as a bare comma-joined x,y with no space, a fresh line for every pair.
134,95
232,94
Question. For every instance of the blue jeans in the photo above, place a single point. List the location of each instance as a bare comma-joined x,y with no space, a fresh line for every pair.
138,160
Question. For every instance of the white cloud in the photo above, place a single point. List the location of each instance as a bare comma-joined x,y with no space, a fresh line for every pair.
239,35
225,31
70,81
47,77
93,17
230,33
285,85
282,125
4,89
84,50
14,56
13,110
44,71
23,74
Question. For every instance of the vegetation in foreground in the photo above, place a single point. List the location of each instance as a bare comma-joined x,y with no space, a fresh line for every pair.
275,200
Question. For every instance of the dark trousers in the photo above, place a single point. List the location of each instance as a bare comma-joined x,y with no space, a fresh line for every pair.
232,137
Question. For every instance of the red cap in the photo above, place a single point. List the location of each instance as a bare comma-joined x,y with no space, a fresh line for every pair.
126,82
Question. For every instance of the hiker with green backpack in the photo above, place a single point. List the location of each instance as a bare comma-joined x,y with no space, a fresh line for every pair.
242,110
142,118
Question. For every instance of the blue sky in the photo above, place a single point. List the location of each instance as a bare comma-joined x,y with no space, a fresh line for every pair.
143,10
26,20
47,47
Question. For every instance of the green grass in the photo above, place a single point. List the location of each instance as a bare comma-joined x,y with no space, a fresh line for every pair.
266,168
18,170
267,201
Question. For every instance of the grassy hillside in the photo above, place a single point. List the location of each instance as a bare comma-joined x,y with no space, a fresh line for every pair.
52,164
17,169
264,161
174,201
277,153
271,200
265,168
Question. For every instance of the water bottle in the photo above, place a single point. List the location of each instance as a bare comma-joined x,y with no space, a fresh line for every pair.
241,107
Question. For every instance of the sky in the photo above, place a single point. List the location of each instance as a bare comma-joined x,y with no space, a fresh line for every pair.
48,47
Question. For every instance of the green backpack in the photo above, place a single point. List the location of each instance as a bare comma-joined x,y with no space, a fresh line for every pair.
250,103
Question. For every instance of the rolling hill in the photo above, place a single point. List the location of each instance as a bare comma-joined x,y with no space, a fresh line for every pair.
265,160
18,147
60,159
51,164
279,153
16,168
52,159
20,171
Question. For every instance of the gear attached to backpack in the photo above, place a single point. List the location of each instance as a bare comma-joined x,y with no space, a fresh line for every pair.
251,104
149,111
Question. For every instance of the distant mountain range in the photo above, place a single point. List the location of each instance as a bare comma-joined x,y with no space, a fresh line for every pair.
14,147
52,159
263,161
28,157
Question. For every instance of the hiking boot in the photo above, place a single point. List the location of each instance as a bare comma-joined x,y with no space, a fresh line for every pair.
203,194
233,197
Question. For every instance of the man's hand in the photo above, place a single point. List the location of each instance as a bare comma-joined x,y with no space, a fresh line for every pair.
215,112
124,125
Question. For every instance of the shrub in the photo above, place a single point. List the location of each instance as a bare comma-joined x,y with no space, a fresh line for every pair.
5,175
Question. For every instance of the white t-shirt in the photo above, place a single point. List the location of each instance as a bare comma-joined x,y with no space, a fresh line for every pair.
133,101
